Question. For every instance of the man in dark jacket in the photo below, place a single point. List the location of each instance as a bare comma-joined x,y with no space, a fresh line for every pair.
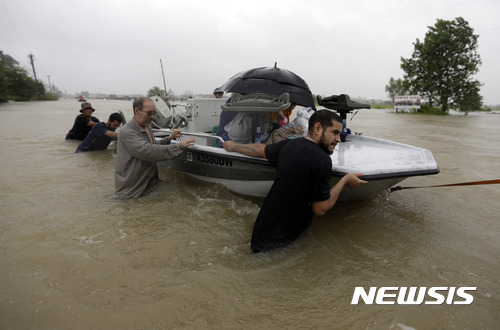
101,134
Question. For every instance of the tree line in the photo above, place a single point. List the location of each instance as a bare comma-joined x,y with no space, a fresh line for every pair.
17,85
442,67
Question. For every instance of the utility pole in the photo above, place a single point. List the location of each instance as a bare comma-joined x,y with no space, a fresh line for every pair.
163,75
31,57
50,86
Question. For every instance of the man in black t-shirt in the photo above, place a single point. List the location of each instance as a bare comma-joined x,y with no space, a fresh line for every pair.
83,123
301,188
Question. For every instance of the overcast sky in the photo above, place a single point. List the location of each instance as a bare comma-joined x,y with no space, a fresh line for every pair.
336,46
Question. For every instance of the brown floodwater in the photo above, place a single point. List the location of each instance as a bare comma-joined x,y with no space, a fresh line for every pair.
72,258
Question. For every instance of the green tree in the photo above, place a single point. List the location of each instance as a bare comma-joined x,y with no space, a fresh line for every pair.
15,83
396,87
156,91
442,67
470,100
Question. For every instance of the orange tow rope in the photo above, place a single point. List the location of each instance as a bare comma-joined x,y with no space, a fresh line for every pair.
474,183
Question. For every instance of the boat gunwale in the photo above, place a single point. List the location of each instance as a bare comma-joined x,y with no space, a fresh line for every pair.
334,173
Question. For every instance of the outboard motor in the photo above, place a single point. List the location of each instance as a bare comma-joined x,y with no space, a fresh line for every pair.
342,104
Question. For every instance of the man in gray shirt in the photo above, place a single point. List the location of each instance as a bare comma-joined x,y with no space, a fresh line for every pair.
137,152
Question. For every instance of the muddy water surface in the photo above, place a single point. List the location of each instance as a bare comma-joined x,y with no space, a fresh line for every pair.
179,257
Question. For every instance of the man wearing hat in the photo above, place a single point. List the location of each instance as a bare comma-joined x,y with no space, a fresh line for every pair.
218,93
83,123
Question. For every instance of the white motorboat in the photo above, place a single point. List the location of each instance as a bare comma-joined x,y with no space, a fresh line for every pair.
384,163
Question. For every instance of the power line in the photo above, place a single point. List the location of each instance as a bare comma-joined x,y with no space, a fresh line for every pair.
10,27
314,37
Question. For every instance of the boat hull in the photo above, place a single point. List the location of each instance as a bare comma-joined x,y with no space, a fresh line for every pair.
257,188
383,164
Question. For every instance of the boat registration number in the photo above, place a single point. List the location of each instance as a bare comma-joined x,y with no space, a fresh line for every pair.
208,159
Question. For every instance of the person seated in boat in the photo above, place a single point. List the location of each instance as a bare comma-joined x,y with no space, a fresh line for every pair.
295,128
83,123
280,119
225,118
218,93
101,134
137,152
239,129
284,129
304,169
